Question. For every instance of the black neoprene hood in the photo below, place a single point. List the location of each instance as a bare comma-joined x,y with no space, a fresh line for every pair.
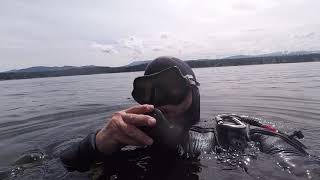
165,62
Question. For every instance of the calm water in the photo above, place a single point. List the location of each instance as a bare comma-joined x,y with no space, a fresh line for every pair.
41,117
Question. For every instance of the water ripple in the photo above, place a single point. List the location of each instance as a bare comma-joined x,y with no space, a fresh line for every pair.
45,116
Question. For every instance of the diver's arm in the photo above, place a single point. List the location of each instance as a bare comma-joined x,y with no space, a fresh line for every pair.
290,156
198,140
80,156
121,130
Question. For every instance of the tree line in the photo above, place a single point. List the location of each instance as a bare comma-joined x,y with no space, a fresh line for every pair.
193,63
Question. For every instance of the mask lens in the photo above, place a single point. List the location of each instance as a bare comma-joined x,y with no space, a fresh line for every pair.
143,90
166,87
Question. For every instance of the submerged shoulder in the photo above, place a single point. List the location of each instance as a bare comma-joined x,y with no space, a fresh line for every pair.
197,141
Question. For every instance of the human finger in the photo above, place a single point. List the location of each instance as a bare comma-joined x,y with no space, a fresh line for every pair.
126,140
135,134
140,109
138,119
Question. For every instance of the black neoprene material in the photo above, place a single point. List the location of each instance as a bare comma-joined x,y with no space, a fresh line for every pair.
165,62
82,155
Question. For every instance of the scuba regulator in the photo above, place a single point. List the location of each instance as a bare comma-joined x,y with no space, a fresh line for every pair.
164,132
233,132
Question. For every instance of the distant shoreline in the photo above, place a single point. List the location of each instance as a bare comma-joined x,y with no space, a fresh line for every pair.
200,63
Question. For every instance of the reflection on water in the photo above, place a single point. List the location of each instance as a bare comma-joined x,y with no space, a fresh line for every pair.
39,118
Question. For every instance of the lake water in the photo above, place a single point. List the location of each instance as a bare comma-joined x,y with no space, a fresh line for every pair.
41,117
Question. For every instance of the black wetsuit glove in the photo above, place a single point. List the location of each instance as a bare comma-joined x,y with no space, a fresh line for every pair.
290,154
82,155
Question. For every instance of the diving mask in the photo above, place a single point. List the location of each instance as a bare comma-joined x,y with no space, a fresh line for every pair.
168,86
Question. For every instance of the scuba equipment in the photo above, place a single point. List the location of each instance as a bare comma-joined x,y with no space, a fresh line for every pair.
168,86
234,132
164,132
231,132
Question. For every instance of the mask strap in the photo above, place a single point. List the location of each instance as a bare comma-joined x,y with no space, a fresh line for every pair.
191,80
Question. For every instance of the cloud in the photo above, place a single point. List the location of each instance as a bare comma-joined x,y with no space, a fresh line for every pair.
164,35
255,29
157,49
243,6
132,43
106,48
305,35
122,31
253,5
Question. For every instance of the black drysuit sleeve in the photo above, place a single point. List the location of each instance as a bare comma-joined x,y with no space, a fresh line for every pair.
289,154
80,156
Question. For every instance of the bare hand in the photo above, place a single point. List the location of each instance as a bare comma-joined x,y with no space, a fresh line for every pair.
123,130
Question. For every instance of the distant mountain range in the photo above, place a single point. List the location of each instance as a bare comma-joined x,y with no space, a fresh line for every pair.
62,68
135,63
138,63
274,58
280,53
47,69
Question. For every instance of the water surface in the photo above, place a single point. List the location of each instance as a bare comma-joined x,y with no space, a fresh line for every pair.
41,117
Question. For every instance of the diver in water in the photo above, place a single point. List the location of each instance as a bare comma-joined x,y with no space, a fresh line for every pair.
162,126
169,85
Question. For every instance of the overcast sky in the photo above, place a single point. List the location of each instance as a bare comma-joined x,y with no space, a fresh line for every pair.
117,32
